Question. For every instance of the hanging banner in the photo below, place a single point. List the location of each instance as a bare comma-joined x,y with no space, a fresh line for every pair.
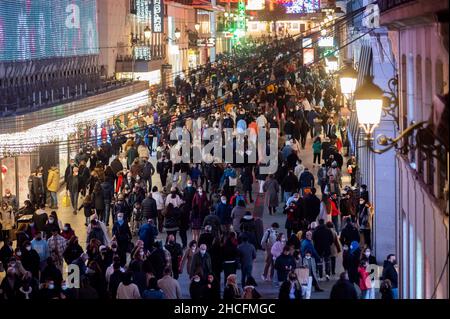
157,10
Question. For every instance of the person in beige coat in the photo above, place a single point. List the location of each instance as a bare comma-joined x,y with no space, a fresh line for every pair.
170,287
6,220
335,248
53,186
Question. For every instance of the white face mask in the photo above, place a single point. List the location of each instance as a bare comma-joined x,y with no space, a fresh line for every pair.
367,253
202,251
308,257
224,201
28,248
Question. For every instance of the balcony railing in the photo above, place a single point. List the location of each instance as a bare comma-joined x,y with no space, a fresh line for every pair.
385,5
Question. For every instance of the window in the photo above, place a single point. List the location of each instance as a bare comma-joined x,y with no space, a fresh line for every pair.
302,27
410,90
421,157
439,74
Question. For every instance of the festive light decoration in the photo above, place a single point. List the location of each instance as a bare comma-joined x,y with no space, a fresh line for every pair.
300,6
31,139
4,171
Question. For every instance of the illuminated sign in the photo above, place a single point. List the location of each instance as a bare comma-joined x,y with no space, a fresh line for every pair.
326,42
47,28
307,42
308,56
206,42
256,4
301,6
157,9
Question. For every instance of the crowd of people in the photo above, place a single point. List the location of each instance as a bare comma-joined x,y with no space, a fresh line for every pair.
132,250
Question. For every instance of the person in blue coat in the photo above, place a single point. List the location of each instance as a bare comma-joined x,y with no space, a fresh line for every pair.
148,233
223,211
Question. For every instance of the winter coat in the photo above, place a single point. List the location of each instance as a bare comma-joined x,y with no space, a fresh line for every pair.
223,211
284,264
323,239
343,289
306,180
237,213
149,208
290,183
53,180
271,188
389,272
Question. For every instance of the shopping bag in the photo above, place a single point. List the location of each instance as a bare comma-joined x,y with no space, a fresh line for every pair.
66,201
302,275
232,181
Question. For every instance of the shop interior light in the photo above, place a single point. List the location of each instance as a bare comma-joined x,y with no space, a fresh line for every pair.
177,33
147,32
197,26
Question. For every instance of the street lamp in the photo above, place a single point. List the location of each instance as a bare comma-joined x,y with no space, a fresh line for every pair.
369,104
347,80
177,33
147,32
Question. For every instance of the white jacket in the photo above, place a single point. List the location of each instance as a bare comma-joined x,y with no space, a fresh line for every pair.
159,200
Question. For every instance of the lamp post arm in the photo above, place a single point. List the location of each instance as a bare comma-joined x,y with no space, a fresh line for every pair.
392,142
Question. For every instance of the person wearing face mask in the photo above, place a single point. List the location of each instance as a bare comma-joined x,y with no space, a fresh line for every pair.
196,288
223,212
189,253
367,254
52,225
176,254
284,263
201,262
41,247
310,263
6,252
174,198
201,201
56,245
365,221
67,232
390,273
30,259
291,289
122,234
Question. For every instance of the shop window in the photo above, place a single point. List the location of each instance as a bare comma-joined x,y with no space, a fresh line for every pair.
302,27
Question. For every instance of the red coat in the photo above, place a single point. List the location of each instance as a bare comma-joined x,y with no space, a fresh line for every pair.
364,280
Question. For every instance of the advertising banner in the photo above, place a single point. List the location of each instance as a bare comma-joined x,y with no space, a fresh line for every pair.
157,9
47,28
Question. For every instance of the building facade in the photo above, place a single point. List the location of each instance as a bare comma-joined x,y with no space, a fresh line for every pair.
419,36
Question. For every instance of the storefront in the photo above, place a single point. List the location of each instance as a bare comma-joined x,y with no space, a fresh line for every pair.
54,143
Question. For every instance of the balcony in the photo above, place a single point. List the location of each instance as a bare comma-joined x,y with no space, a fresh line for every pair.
385,5
397,14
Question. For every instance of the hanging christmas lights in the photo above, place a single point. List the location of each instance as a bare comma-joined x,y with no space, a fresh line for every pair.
29,140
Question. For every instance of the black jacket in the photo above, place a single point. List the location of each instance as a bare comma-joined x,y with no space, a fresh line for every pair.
343,289
149,209
389,272
290,183
323,239
285,290
349,234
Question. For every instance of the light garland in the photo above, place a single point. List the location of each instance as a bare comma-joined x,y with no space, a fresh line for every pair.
29,140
